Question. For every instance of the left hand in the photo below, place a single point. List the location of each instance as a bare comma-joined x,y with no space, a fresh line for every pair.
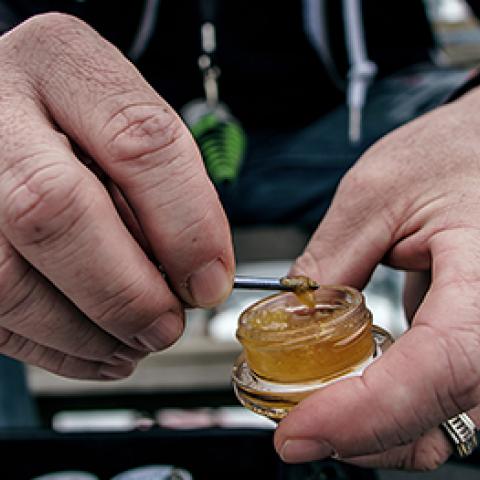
413,202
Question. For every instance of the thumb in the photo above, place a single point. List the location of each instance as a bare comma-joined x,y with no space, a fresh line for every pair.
353,237
429,375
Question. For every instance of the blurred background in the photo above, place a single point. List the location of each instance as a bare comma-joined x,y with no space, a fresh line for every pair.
186,390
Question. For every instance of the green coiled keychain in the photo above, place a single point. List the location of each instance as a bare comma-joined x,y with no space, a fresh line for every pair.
219,135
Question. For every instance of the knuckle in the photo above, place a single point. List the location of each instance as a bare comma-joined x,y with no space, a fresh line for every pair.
360,182
45,206
307,264
45,26
52,42
136,133
41,32
424,458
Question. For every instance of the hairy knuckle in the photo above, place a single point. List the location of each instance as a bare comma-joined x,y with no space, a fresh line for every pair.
41,31
54,42
45,27
45,205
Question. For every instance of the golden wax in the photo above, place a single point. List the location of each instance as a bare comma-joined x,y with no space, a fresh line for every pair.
291,339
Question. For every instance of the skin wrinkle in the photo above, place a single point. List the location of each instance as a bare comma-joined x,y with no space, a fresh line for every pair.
115,309
113,296
61,365
121,109
16,212
416,215
48,238
81,248
71,50
16,345
24,317
188,183
466,396
75,58
6,284
403,437
194,225
17,171
55,44
5,337
16,138
453,399
170,132
135,182
454,279
19,303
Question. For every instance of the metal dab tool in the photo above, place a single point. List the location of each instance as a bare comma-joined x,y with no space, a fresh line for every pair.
298,284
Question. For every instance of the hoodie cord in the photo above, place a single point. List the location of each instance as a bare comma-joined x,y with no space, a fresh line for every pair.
314,20
145,30
362,69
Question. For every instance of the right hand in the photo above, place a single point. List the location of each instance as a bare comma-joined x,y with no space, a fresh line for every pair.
78,295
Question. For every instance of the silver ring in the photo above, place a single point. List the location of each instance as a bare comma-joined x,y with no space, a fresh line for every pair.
463,433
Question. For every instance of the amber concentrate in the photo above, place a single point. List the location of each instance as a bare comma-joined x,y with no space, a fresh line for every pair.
314,336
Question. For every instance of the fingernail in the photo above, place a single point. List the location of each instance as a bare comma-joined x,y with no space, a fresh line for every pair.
210,285
300,451
116,372
125,354
161,334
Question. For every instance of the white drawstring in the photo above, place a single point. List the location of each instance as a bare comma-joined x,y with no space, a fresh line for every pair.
145,30
362,69
314,19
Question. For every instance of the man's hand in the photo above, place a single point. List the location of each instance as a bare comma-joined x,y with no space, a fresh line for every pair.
78,295
412,201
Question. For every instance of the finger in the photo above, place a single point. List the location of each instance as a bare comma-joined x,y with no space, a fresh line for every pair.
353,236
430,374
61,219
32,308
128,217
429,452
140,142
28,351
416,287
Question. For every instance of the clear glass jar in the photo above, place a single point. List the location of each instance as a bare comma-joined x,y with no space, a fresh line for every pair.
294,346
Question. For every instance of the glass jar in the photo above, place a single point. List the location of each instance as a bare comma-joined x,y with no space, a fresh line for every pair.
295,345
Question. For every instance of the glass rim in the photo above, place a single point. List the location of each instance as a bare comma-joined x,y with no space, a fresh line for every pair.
355,302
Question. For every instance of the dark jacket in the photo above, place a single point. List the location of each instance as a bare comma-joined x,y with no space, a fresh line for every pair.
271,74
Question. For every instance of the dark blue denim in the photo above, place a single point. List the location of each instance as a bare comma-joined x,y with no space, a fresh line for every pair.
290,177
